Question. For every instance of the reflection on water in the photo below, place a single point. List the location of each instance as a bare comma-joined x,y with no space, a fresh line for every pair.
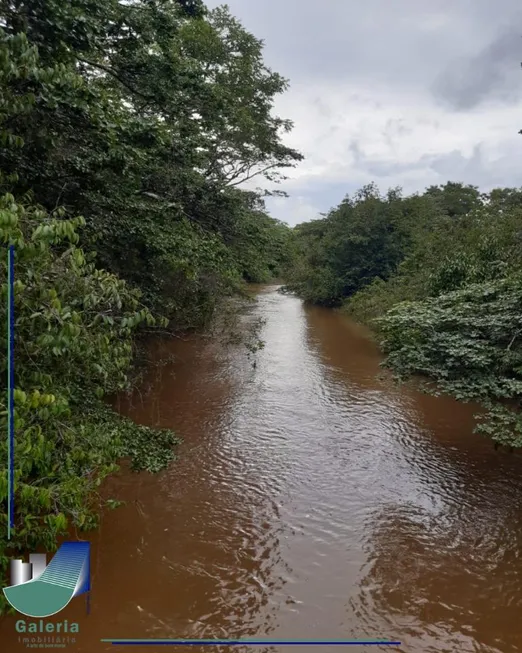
312,499
449,582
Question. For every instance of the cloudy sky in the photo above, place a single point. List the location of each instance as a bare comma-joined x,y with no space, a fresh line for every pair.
404,93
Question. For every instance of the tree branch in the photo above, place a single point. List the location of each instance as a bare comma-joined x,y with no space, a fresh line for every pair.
254,174
111,72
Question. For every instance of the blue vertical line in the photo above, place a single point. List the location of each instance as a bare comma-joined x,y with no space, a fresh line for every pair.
10,389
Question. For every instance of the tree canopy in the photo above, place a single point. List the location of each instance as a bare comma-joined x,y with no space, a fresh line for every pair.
161,111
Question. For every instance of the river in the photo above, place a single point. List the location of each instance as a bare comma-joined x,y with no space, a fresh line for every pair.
312,498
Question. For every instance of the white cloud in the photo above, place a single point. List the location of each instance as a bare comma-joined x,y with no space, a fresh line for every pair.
294,209
388,96
388,130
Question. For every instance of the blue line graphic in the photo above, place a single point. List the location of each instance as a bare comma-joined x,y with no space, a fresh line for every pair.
249,642
10,389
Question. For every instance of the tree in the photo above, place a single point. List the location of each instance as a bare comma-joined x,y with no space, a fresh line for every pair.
455,199
362,239
170,111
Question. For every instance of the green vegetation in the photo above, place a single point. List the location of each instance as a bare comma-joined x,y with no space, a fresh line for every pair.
438,275
143,117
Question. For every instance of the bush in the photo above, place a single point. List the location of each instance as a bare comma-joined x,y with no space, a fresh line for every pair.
73,345
468,344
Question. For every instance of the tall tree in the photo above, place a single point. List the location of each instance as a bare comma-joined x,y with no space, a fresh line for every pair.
170,111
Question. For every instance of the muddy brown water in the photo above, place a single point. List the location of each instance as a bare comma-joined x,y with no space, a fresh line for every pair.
311,500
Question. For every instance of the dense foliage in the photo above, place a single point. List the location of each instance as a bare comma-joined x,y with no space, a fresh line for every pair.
158,114
144,117
74,325
363,239
439,276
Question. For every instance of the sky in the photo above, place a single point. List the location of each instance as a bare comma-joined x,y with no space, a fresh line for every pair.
404,93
